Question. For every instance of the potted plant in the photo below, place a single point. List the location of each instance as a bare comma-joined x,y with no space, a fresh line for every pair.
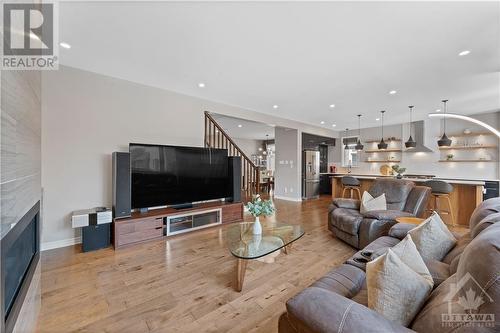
397,169
449,157
258,207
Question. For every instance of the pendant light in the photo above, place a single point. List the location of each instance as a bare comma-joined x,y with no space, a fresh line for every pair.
359,146
411,143
444,141
382,145
346,140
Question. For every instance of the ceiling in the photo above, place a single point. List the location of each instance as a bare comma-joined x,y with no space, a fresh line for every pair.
244,129
301,56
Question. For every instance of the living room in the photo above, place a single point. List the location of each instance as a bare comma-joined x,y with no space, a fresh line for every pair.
250,166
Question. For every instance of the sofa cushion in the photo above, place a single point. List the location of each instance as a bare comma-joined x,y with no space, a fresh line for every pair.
481,261
396,191
432,238
347,220
390,215
408,253
457,250
399,230
362,296
345,280
487,207
438,270
485,223
394,289
347,203
369,203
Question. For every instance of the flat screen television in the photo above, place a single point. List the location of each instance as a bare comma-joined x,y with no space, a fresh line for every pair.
176,175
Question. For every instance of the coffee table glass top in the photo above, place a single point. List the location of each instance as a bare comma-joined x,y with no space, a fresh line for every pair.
244,245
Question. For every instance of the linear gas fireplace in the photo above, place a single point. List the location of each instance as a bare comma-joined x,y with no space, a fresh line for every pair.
20,254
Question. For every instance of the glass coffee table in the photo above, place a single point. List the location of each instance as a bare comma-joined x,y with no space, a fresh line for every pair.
246,246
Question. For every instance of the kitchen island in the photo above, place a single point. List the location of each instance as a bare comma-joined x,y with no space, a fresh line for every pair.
466,196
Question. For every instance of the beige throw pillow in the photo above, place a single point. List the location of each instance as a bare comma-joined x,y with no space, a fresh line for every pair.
369,203
408,253
394,289
432,238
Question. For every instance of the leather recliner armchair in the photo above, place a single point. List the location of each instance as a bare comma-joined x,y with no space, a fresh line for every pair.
403,198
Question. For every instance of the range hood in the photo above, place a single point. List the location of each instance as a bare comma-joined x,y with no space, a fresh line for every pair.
419,131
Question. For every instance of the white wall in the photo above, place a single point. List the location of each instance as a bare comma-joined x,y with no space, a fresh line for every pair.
87,116
427,163
288,164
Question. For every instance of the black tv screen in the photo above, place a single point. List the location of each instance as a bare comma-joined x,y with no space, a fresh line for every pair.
174,175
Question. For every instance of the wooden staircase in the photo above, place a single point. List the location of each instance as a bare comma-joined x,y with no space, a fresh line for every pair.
216,137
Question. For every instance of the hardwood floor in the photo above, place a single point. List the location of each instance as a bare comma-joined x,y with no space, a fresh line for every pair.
184,284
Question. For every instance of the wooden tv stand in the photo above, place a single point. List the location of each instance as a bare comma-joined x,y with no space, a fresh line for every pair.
155,223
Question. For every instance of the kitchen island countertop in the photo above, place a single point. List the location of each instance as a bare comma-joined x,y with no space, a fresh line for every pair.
476,182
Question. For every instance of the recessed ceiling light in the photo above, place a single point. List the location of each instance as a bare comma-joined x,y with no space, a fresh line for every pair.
464,53
332,105
322,123
333,125
438,110
65,45
377,119
275,106
201,85
240,125
392,92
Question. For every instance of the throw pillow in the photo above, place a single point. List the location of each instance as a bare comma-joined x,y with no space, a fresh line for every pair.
432,238
369,203
408,253
394,289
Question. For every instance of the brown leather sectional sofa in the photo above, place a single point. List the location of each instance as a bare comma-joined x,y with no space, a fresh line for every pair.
338,301
403,197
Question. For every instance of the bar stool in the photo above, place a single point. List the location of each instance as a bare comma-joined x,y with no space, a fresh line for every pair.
352,184
441,190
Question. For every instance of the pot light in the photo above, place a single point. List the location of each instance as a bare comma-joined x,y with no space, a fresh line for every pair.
334,125
240,125
65,45
392,92
201,85
464,53
438,110
275,106
332,106
377,119
322,123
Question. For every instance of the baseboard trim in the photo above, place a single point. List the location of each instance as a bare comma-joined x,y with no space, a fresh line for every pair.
279,197
60,243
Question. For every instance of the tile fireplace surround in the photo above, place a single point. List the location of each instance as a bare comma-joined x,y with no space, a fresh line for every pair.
20,257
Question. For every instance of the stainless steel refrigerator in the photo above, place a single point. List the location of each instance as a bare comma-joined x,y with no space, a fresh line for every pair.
310,174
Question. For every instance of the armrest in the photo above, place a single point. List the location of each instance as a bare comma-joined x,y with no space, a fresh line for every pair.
347,203
387,214
400,230
323,311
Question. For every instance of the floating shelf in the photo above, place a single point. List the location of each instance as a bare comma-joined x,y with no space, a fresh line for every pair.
384,161
389,150
461,135
450,161
378,140
469,147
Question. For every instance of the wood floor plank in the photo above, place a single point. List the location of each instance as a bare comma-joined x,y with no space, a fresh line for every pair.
185,283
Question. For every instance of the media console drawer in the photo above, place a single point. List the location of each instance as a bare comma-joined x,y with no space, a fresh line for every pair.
166,222
128,232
